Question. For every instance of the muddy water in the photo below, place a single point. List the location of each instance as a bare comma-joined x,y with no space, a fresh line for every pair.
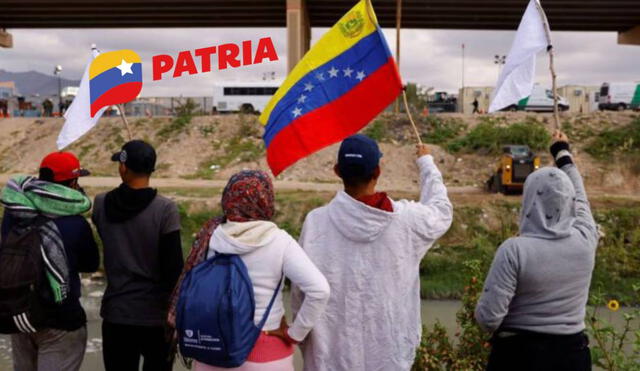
441,310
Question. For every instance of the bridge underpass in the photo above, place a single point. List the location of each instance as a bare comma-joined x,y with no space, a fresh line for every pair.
298,16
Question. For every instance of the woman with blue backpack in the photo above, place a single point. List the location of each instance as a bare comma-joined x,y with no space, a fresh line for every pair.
227,309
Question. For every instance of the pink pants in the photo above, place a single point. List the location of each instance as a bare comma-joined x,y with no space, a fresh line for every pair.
285,364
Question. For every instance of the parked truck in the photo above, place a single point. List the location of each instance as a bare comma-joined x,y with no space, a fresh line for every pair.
540,100
619,96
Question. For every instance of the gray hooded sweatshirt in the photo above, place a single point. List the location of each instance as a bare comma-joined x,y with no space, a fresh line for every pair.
539,281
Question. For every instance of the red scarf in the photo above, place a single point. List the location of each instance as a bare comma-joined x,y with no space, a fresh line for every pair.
378,200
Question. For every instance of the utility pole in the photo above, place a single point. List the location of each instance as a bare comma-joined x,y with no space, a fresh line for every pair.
463,66
56,71
396,107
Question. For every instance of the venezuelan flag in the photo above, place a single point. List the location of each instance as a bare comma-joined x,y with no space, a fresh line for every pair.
343,82
114,77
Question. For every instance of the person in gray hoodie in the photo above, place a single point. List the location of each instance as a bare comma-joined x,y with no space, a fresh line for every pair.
535,294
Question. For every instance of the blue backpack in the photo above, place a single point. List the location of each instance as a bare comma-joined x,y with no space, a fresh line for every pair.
215,312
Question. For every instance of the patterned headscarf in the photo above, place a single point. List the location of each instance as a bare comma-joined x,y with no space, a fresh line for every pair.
248,196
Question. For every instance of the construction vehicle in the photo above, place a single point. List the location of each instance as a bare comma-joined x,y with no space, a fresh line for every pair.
514,166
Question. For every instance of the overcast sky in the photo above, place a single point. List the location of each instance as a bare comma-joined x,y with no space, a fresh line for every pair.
429,57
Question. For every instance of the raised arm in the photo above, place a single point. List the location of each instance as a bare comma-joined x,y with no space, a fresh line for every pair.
560,150
499,288
432,216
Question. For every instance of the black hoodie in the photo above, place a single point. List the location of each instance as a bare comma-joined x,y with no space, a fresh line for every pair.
123,203
140,231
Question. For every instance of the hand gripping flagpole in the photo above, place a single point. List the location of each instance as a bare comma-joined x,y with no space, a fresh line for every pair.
545,22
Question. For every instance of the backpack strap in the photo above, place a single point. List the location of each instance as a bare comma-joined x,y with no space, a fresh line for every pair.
273,299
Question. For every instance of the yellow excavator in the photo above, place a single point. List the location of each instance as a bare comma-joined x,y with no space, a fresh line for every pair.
514,166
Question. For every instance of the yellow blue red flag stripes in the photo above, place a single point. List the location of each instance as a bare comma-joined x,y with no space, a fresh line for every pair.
114,78
343,82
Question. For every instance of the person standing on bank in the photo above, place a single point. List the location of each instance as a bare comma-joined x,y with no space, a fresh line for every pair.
535,294
269,254
369,248
54,201
140,230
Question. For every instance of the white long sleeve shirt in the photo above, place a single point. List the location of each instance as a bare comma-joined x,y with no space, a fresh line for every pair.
268,252
371,259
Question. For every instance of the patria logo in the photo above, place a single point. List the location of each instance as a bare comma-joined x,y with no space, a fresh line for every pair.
189,333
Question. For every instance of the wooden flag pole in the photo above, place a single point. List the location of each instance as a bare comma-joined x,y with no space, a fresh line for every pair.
547,30
124,121
406,107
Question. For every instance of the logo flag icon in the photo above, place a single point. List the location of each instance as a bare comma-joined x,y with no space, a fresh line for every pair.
114,77
343,82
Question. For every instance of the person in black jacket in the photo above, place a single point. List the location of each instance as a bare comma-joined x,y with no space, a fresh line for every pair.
60,346
143,259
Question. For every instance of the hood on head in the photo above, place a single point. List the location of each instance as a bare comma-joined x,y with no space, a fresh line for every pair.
357,221
242,237
548,205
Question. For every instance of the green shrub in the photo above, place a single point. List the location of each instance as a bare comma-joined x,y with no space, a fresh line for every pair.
377,131
437,130
490,135
471,350
620,140
618,256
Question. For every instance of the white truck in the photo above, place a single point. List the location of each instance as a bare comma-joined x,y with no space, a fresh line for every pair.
247,97
540,100
619,96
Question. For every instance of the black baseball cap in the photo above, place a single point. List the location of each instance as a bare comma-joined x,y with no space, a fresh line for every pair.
138,156
358,153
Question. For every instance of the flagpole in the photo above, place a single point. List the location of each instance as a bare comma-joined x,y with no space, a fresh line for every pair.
406,107
398,22
545,22
124,121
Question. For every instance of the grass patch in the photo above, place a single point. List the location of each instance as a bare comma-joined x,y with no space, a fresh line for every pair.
438,130
491,134
377,131
176,126
613,141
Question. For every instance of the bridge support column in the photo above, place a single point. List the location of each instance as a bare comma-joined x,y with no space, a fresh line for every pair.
6,40
630,37
298,32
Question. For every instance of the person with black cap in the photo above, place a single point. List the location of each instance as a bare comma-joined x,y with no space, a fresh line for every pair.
140,231
369,248
54,203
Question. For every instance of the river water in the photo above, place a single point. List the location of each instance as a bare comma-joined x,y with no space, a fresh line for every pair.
432,311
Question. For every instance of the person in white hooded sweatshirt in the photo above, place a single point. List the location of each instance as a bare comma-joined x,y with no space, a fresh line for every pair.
268,253
369,248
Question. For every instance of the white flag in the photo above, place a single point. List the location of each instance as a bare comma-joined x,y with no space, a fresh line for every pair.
78,120
517,77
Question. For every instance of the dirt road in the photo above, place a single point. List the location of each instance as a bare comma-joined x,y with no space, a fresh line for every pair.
460,195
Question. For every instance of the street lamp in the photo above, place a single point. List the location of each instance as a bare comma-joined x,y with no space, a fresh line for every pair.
56,71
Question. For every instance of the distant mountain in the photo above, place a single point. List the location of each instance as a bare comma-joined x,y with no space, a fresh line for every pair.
32,82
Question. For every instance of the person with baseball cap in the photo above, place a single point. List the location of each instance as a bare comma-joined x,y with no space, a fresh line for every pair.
140,231
369,248
53,202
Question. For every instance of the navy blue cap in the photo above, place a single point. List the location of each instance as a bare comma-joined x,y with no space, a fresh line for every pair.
358,155
138,156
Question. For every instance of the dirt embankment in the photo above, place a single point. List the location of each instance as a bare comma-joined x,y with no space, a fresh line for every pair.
214,147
